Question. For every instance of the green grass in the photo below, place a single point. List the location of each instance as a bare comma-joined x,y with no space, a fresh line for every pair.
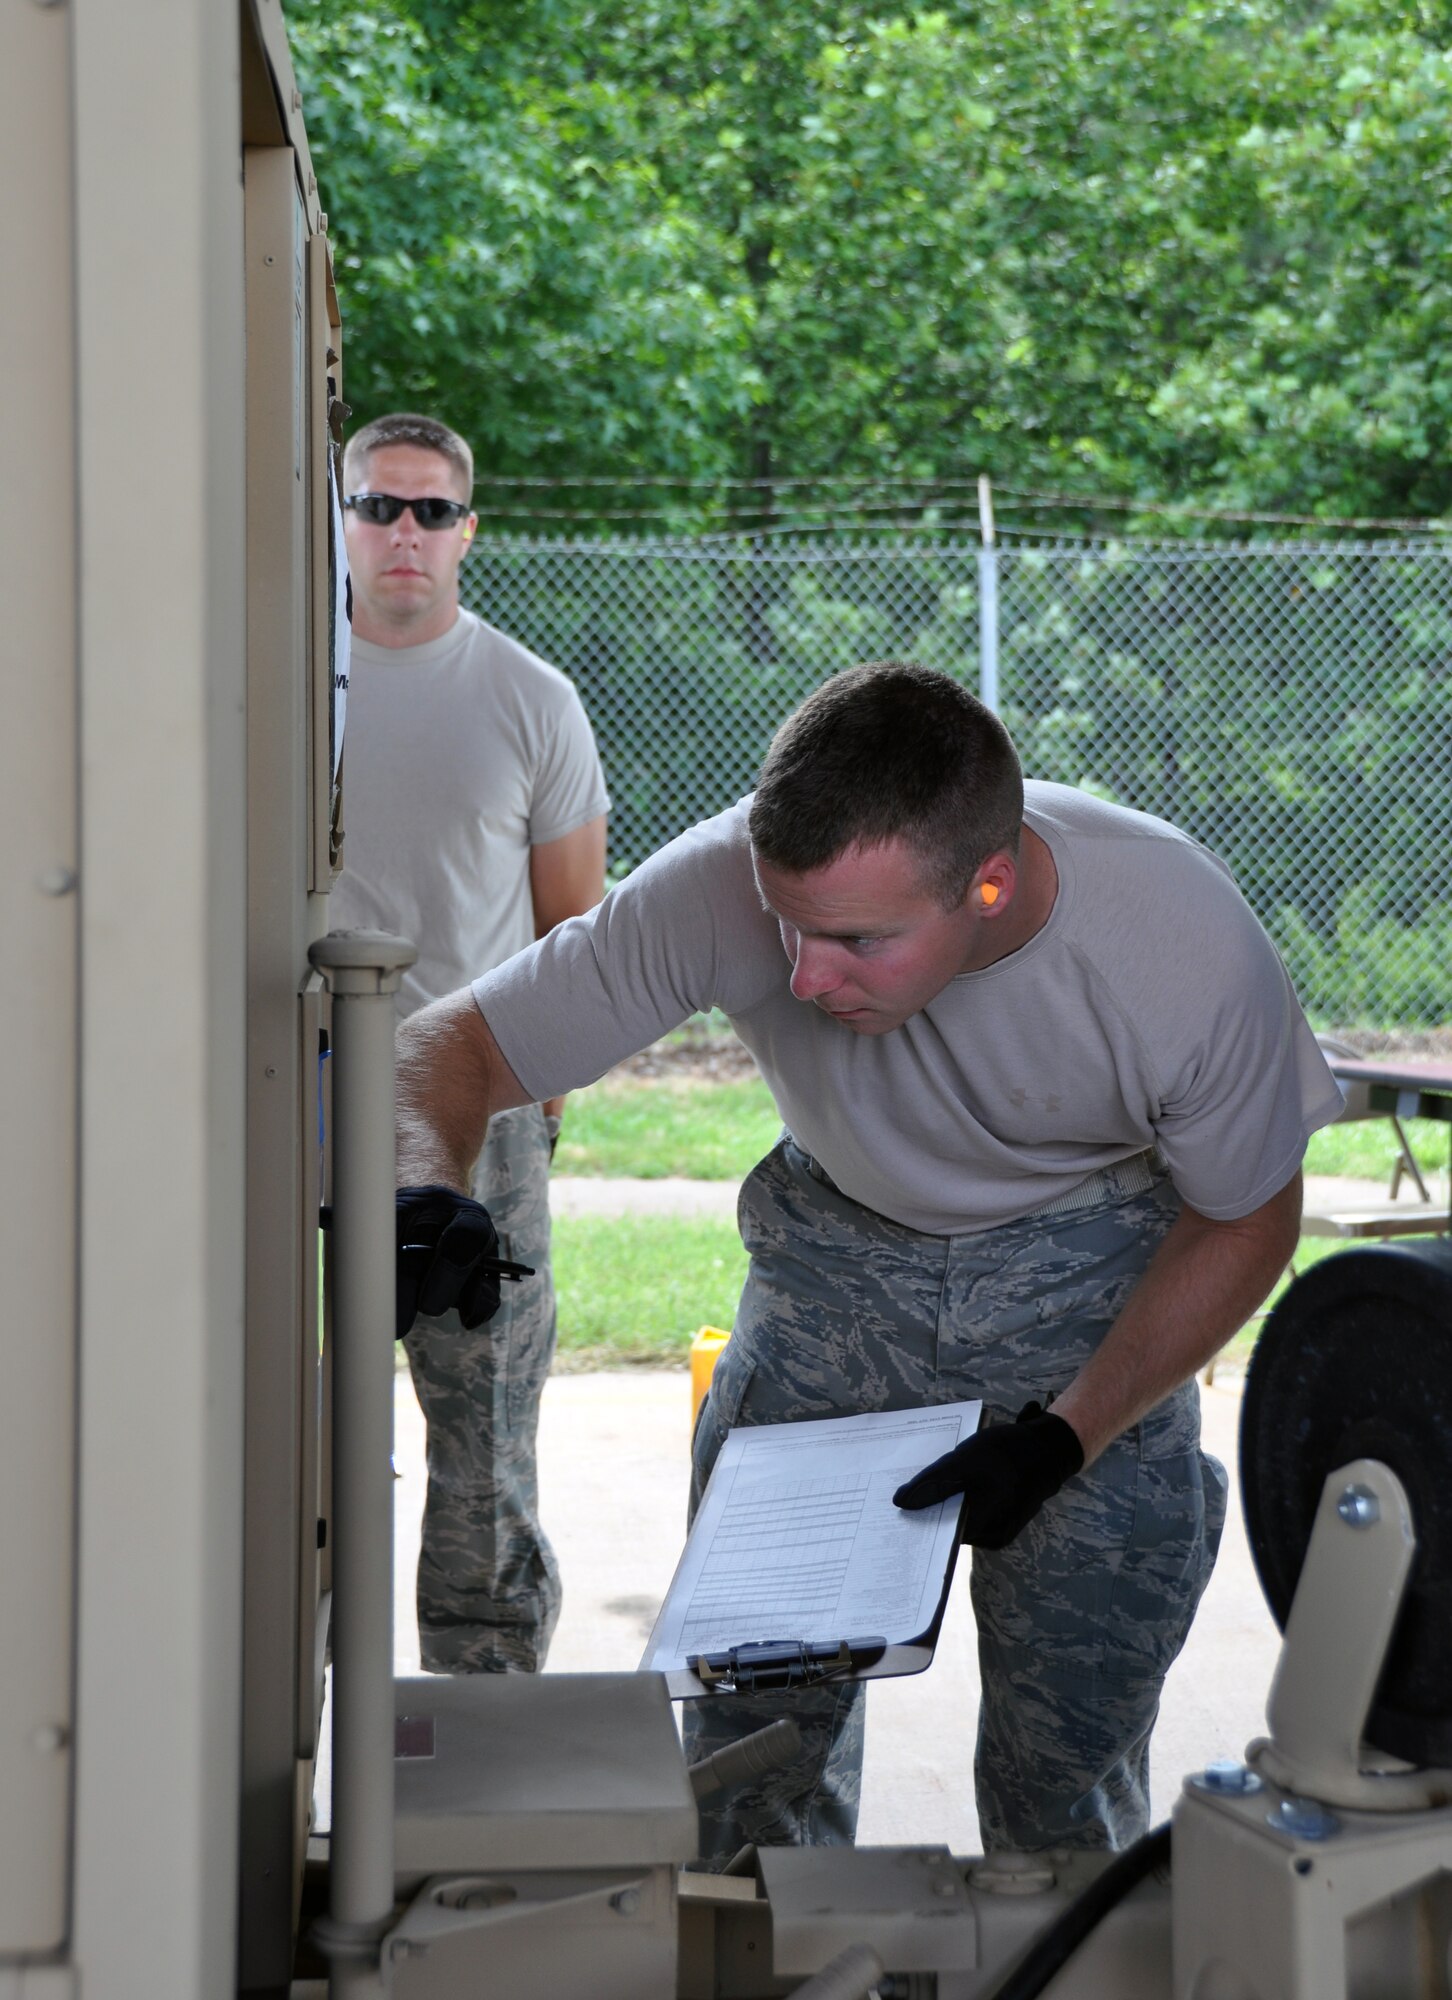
1366,1148
634,1289
652,1127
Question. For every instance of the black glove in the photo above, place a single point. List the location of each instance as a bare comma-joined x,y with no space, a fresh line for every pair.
1006,1473
447,1257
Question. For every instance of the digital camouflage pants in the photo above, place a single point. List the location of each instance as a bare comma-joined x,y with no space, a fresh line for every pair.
488,1582
1079,1619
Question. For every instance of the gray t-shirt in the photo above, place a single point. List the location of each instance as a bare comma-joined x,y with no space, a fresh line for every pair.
460,756
1150,1010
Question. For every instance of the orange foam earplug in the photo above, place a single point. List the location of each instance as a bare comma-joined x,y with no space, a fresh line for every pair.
989,893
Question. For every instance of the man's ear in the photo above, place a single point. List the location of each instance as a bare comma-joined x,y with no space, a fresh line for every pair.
993,885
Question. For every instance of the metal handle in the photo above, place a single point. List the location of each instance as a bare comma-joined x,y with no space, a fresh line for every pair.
362,969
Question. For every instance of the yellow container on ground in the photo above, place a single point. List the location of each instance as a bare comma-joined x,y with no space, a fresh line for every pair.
705,1352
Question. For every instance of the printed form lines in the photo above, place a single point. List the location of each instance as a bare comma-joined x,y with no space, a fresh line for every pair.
779,1562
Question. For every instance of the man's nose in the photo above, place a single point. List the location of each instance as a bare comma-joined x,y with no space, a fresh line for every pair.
813,972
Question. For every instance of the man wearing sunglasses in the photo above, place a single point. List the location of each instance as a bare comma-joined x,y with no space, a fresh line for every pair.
474,818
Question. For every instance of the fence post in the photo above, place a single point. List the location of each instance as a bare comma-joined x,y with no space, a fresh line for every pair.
987,598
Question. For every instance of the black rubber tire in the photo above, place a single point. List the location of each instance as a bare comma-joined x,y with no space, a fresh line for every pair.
1355,1361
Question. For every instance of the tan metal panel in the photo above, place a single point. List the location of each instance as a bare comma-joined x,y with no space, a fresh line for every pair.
264,19
263,123
37,1982
38,922
279,462
324,374
163,852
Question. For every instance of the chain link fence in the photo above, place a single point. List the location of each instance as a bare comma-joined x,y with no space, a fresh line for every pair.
1288,704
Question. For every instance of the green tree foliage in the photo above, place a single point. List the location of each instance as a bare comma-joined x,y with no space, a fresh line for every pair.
1169,248
509,259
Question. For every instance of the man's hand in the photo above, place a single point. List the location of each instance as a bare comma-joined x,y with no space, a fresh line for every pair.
1006,1473
447,1256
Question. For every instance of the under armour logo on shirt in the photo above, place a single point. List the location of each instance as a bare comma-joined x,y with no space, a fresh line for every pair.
1020,1100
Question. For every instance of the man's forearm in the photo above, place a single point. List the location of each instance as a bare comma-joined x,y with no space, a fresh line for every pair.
1202,1284
451,1080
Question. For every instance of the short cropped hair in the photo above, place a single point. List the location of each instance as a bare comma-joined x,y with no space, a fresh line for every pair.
890,751
403,427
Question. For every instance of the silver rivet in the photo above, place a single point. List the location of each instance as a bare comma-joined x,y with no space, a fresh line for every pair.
1305,1819
57,881
1228,1776
626,1901
1359,1507
50,1737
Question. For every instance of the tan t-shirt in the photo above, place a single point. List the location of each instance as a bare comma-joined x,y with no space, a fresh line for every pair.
1151,1009
460,756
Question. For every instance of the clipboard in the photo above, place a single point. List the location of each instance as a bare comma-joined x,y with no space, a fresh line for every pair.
799,1571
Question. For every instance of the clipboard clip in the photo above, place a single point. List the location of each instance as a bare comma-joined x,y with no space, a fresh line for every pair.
767,1666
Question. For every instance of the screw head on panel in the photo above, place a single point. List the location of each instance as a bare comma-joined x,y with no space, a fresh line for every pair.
1307,1819
1229,1777
1359,1507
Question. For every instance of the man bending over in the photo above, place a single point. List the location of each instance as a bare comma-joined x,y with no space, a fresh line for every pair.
1046,1091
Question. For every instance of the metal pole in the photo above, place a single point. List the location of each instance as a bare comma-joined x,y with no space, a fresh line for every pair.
362,969
987,598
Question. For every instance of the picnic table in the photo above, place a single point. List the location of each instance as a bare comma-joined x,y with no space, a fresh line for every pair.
1394,1088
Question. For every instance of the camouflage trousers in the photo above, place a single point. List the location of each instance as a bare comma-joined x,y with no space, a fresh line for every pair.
1079,1619
488,1582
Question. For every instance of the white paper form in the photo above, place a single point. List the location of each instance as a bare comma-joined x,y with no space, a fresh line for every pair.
797,1537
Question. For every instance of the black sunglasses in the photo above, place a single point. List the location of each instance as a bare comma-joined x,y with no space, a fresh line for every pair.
383,509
